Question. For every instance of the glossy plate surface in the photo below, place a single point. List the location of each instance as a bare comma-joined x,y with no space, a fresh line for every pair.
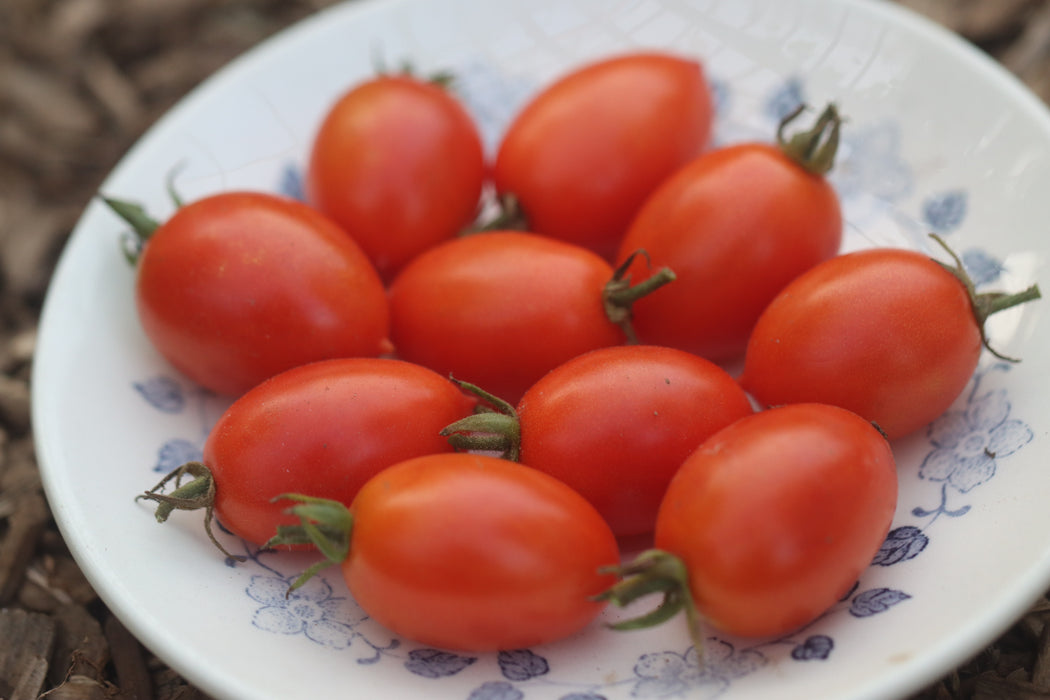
938,139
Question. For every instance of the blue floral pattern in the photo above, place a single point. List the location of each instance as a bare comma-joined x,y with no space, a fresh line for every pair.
968,446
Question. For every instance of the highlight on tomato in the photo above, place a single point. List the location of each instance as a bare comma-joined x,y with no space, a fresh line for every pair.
397,162
502,308
890,334
767,524
236,287
583,155
615,424
322,429
464,552
736,224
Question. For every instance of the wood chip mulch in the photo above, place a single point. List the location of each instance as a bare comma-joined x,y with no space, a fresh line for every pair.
80,81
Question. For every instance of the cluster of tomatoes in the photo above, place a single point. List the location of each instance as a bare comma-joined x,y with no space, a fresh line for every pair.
471,420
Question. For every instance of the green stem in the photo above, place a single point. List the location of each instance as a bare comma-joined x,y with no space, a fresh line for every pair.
197,494
497,430
984,304
324,523
813,149
619,294
655,571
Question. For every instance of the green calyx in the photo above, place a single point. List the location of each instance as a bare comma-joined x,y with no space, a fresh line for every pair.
324,523
494,428
620,294
813,149
196,494
985,304
505,215
654,571
143,226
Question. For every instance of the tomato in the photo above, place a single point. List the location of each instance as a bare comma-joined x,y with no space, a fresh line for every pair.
615,424
237,287
585,152
475,553
887,333
322,429
774,518
397,162
502,308
736,225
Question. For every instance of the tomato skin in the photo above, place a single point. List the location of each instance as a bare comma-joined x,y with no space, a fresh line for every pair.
736,225
323,430
777,515
616,423
398,163
886,333
500,309
239,286
469,552
585,152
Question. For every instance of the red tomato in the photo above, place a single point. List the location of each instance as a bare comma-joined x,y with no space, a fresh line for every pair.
476,553
616,423
736,225
776,516
398,163
887,333
583,155
237,287
500,309
323,430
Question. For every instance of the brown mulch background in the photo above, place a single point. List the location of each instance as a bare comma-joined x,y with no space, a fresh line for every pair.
80,81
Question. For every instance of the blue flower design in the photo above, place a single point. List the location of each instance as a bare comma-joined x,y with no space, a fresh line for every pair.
311,610
870,163
669,674
970,442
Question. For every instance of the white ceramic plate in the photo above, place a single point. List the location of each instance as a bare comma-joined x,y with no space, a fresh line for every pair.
938,138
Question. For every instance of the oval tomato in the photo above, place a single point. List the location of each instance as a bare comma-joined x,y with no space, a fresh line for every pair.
887,333
777,515
585,152
616,423
770,522
736,225
323,430
237,287
475,553
500,309
398,163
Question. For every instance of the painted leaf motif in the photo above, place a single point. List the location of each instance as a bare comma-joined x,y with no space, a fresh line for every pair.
876,600
496,690
901,544
522,664
291,184
174,453
434,663
944,212
982,267
816,647
163,393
